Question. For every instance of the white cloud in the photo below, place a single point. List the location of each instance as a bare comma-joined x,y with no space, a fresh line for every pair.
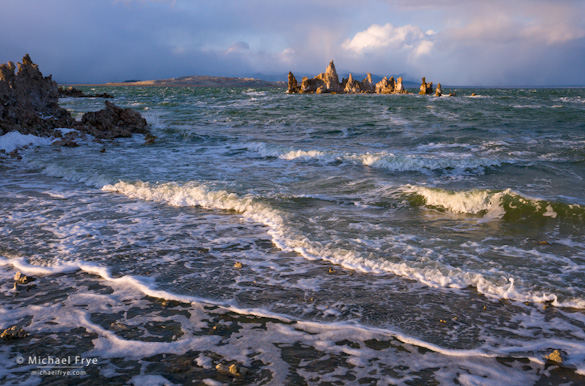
377,37
410,40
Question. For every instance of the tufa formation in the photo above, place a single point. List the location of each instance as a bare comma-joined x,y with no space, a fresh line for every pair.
29,104
328,82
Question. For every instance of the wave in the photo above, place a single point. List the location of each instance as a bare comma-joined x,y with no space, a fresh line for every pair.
15,140
73,174
381,160
287,238
112,345
493,204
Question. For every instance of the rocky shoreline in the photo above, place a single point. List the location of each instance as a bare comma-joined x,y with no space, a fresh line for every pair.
29,104
328,82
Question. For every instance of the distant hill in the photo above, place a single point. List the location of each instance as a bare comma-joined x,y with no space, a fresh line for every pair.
203,81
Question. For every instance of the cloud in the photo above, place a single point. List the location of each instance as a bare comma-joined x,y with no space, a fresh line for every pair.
499,42
238,48
378,37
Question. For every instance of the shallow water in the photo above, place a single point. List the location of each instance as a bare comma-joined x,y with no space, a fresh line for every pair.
384,239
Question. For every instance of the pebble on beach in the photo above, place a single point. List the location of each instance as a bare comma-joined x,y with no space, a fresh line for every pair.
12,333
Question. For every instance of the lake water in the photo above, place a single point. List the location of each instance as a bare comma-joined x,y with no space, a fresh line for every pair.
383,239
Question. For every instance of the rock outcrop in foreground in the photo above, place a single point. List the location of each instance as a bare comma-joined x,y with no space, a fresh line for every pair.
28,101
328,82
29,104
113,122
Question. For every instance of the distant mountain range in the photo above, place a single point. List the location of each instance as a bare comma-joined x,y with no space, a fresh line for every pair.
221,81
202,81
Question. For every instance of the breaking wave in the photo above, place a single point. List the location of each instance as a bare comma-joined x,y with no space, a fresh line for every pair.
381,160
287,238
493,204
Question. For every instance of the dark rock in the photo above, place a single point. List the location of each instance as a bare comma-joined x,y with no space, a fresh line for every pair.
76,93
149,139
29,102
309,86
113,122
66,143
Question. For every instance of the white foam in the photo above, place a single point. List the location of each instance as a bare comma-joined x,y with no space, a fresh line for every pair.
15,140
302,154
150,380
381,160
471,201
65,130
437,275
240,346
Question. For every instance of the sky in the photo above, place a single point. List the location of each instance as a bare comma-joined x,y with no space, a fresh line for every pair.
455,42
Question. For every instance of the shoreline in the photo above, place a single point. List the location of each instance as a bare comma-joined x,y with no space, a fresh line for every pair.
122,84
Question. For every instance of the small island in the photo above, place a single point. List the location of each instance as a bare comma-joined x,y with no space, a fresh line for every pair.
328,82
